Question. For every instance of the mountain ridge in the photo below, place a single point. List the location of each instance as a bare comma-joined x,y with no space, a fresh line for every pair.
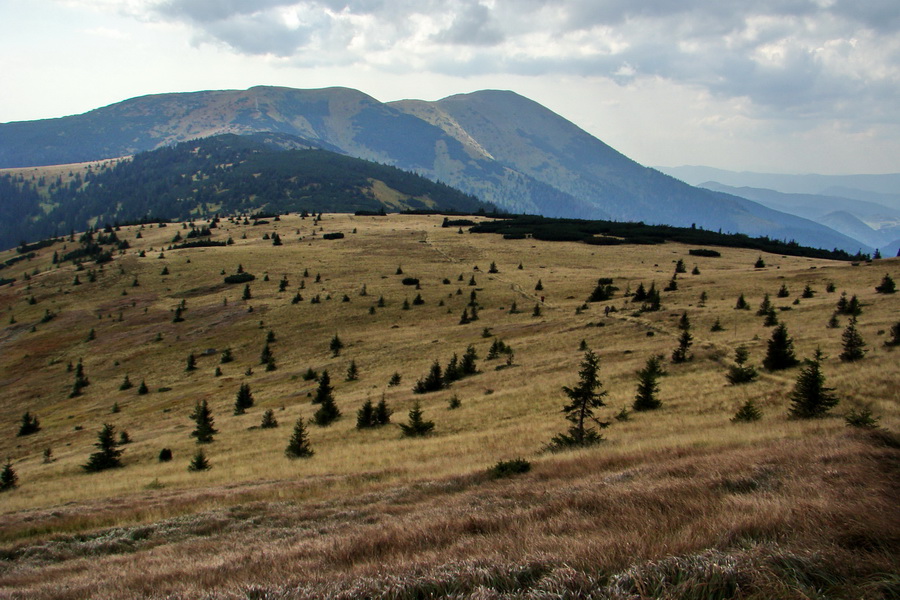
502,147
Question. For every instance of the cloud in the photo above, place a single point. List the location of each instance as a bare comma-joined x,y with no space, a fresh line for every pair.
788,58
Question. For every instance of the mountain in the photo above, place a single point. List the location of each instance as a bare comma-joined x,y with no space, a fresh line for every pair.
871,223
497,145
228,174
874,188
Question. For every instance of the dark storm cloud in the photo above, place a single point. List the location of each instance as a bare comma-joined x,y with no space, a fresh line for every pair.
790,58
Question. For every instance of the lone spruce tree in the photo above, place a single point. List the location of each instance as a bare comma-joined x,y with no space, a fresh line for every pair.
854,346
108,454
204,430
298,446
199,462
810,398
585,397
647,389
780,350
740,372
8,476
30,424
328,411
417,426
244,399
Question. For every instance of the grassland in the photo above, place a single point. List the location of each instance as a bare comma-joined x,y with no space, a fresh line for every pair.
680,496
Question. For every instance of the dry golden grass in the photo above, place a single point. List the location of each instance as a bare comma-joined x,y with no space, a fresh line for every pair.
375,485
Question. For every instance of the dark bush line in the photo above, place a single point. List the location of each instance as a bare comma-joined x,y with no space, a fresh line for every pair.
614,232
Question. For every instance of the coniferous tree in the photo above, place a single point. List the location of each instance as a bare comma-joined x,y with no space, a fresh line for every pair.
126,384
165,455
324,390
810,398
833,322
417,425
887,285
268,420
717,325
108,454
298,446
854,348
640,294
684,323
540,286
747,412
9,479
584,398
452,371
352,371
244,399
227,356
191,363
142,388
336,345
741,303
741,372
467,365
771,319
394,380
382,415
780,350
365,416
199,462
807,292
764,307
203,430
30,424
266,355
246,295
648,388
760,263
783,291
680,266
537,311
682,352
432,382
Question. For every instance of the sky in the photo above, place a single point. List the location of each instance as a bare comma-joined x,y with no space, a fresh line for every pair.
782,86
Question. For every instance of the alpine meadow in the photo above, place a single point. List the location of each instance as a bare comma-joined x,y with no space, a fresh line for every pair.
408,405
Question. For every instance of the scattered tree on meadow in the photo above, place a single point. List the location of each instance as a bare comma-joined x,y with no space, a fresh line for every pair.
81,380
862,418
585,397
680,267
394,381
108,453
126,384
432,382
854,348
780,350
747,412
298,446
383,412
266,355
246,295
165,455
741,303
9,479
646,397
807,292
365,416
682,353
244,399
760,263
810,398
203,430
684,323
142,388
199,462
352,371
328,411
416,426
336,345
191,362
783,291
740,372
29,425
887,285
764,307
717,325
268,420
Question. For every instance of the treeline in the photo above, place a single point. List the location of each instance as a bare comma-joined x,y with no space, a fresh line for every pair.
614,232
224,174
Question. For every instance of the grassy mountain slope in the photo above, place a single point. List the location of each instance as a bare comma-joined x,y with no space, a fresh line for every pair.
775,508
499,146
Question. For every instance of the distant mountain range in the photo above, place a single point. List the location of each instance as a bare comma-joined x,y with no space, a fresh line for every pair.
496,145
868,212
